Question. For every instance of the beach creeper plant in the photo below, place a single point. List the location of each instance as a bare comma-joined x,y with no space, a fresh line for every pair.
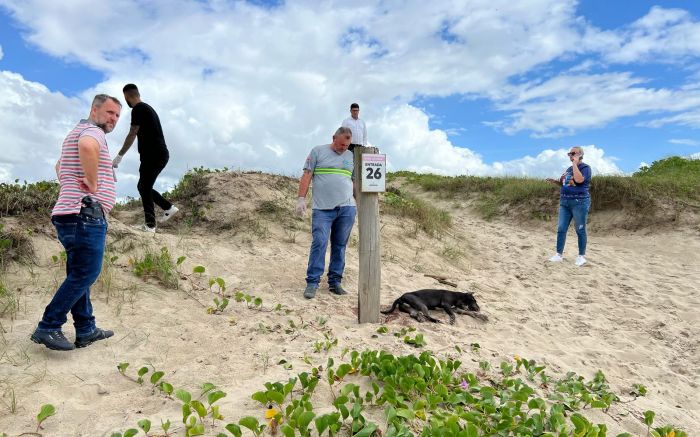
418,395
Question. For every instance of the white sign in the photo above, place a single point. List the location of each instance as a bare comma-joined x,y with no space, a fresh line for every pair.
373,173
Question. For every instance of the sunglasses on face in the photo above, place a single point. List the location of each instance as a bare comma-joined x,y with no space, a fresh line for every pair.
571,153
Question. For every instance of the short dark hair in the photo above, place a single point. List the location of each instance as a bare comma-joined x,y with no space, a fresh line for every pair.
354,105
131,90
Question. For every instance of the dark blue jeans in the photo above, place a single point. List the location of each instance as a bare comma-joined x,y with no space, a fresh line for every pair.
334,223
578,210
84,240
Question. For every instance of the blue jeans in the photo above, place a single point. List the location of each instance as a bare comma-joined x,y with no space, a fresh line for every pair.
336,223
84,240
578,210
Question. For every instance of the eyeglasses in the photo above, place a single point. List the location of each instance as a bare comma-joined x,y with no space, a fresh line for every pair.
571,153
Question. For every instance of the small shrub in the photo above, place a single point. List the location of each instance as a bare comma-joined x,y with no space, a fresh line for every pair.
428,218
157,265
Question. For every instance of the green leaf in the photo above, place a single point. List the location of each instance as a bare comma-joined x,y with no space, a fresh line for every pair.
142,371
304,419
155,377
405,413
46,411
198,429
131,432
183,395
199,269
215,396
275,396
260,396
249,422
234,429
321,424
367,431
471,430
144,424
199,408
180,260
122,367
287,430
166,387
220,282
649,417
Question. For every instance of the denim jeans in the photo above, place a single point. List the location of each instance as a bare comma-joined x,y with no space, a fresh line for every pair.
578,210
336,223
84,240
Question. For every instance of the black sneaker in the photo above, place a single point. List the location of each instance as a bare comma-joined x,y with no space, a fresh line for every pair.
337,289
97,334
54,340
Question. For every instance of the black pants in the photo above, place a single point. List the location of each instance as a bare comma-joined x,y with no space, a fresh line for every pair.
148,172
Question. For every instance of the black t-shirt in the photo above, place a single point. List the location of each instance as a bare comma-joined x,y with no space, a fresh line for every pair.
150,134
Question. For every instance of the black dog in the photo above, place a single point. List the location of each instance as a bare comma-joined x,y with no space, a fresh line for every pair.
417,304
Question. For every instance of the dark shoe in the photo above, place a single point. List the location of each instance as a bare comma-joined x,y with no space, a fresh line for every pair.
337,289
54,340
97,334
310,291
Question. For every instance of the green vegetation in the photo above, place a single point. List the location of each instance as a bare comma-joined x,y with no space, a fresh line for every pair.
14,246
157,265
189,191
668,182
426,217
414,395
28,200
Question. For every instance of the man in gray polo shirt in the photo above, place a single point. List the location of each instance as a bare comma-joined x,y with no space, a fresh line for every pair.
330,169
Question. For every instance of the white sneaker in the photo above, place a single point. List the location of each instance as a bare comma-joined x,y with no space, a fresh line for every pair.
580,260
145,228
169,213
556,258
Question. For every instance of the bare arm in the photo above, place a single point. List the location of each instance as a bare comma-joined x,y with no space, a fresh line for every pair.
89,154
129,140
578,176
304,183
58,167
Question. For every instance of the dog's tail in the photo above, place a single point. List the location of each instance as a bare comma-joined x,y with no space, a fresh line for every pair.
393,307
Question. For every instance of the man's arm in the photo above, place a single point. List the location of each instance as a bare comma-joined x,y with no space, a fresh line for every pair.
89,154
58,167
129,140
304,183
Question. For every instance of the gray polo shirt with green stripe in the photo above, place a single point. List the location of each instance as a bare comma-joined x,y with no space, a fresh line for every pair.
332,177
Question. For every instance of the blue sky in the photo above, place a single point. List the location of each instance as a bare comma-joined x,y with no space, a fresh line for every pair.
454,87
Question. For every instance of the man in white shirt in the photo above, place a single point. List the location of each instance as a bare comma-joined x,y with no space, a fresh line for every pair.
357,126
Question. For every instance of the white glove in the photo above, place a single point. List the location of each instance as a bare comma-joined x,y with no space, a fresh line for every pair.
116,161
301,206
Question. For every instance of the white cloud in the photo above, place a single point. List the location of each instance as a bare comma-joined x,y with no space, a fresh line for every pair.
415,147
668,35
34,122
684,141
565,104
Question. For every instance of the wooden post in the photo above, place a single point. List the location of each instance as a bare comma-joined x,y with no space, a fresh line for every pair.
370,275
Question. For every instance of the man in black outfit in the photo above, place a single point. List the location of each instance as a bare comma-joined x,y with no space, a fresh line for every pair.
145,125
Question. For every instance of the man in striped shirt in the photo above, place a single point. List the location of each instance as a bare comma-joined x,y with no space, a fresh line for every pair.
87,194
330,169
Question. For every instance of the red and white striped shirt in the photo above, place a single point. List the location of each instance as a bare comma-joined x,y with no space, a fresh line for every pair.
70,172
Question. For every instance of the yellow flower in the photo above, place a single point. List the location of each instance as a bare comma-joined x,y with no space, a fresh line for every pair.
517,357
270,413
